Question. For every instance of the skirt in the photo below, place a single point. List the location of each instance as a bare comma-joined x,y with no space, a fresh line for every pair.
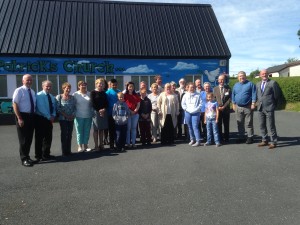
100,122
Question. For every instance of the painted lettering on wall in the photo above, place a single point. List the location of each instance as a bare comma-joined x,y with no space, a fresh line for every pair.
40,66
105,67
68,66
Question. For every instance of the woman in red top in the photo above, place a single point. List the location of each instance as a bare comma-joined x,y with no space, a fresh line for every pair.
133,102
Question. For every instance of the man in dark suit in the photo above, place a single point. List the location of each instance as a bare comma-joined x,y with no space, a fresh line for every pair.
222,93
268,92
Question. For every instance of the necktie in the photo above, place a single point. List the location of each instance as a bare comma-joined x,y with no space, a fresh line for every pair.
263,86
50,104
222,92
31,101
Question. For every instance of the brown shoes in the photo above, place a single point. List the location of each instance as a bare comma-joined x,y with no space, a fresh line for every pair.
262,144
265,143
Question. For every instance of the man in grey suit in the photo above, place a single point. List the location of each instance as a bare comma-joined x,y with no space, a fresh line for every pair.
268,92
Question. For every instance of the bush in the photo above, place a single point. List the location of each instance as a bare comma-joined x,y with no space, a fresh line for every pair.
290,87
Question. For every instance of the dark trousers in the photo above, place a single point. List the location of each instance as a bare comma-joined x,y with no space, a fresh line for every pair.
145,131
66,130
179,123
111,130
25,134
43,137
224,119
202,126
167,134
121,134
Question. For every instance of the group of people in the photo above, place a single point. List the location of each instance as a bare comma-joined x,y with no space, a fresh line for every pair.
163,112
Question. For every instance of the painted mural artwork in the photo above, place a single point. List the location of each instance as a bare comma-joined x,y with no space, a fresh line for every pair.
170,69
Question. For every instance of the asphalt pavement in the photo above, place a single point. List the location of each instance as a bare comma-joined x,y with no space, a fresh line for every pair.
235,184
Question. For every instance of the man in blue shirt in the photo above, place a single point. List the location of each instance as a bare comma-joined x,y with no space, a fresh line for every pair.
45,115
243,99
112,98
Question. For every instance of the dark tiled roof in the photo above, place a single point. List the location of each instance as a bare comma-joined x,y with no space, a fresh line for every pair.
111,29
278,68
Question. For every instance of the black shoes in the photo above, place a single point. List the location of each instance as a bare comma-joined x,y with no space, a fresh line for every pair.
240,141
249,140
48,157
44,158
27,163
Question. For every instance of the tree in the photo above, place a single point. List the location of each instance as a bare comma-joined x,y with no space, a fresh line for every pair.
291,60
254,73
298,35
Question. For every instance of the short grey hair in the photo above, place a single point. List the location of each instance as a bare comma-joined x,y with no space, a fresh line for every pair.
173,83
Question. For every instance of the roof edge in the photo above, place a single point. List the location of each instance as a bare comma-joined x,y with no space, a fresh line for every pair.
130,3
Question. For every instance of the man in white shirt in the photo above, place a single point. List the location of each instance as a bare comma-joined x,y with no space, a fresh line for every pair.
24,102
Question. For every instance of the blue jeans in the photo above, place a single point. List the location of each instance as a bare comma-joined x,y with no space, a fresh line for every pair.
192,121
212,127
131,128
83,127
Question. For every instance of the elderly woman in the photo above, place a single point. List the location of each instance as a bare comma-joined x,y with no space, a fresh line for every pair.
83,120
132,100
66,110
154,114
100,121
191,104
168,110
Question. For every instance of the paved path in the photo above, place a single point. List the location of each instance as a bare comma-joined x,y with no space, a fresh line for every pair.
234,184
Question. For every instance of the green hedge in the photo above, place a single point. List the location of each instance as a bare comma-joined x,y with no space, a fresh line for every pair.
290,87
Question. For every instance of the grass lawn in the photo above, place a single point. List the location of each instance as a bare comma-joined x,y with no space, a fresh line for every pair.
293,107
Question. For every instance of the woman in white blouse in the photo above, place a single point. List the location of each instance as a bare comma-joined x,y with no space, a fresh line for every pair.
83,119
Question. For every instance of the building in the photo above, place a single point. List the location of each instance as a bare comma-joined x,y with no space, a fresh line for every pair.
285,70
72,40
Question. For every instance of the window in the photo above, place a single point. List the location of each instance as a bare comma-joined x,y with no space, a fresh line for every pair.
90,79
3,86
57,81
192,77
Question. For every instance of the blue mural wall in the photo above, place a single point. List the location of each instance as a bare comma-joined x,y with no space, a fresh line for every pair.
169,69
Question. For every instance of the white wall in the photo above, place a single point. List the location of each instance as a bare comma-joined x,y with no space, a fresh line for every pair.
295,71
11,85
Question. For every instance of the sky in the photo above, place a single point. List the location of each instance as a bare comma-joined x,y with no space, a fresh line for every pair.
259,33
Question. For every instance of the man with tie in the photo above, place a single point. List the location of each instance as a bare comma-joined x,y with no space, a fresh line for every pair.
45,114
268,93
222,93
24,101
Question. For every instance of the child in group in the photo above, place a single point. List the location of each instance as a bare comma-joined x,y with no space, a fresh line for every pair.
120,114
211,119
145,118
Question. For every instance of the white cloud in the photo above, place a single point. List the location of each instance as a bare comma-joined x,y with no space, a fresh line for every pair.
162,64
139,69
83,61
185,66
